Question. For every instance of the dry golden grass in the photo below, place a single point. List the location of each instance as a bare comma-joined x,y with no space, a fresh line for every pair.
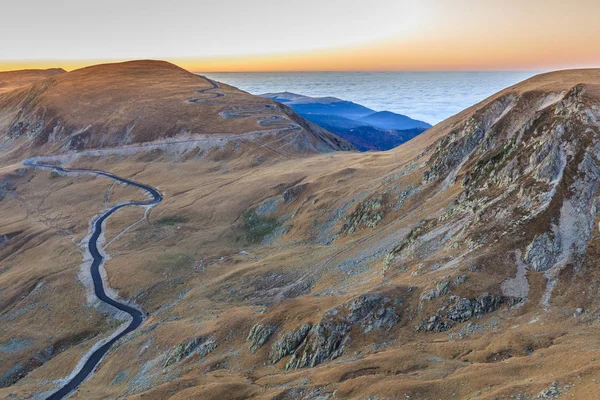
134,102
11,80
184,265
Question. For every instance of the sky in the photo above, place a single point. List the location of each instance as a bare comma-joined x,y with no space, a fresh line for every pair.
307,35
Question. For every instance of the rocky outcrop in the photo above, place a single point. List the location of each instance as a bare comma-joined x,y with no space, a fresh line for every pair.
367,214
443,287
288,343
405,247
462,309
259,334
327,340
202,345
542,252
454,149
383,318
549,158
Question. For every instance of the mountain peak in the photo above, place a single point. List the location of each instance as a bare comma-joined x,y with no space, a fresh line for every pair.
134,102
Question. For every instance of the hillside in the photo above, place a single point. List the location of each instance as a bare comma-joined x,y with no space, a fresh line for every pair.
366,129
137,102
361,135
11,80
461,264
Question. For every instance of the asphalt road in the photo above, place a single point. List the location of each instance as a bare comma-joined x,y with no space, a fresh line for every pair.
137,316
204,91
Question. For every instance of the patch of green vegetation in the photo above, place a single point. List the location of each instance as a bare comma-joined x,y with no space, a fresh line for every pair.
257,227
171,220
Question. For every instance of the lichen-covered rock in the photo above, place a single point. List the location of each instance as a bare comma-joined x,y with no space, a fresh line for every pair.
367,214
288,343
361,306
456,147
435,323
328,339
326,342
442,288
406,248
258,335
553,392
549,159
404,195
381,318
542,252
462,309
202,345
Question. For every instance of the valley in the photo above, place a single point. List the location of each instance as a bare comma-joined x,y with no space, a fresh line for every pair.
274,261
364,128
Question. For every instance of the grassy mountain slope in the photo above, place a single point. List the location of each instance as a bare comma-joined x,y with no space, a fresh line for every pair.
462,264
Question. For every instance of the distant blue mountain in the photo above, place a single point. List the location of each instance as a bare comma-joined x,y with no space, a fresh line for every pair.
390,120
321,105
366,129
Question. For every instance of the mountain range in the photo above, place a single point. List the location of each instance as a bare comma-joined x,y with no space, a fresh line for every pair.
365,128
265,258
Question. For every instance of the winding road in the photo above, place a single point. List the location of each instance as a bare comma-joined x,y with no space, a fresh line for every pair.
137,316
263,117
91,360
205,91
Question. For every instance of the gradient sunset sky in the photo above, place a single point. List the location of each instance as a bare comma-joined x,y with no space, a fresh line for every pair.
308,35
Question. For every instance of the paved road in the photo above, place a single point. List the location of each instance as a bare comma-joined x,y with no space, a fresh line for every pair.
205,91
137,316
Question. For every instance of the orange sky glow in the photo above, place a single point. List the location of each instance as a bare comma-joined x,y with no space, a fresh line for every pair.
397,35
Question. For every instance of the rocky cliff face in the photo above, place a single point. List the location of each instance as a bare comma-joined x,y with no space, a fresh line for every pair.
525,168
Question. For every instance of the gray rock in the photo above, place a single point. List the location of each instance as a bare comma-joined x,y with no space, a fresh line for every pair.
551,393
268,206
462,309
202,345
368,214
550,162
328,339
435,323
288,343
326,342
542,252
258,335
382,318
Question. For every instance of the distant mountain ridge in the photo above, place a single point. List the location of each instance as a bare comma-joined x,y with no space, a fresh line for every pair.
321,105
365,128
390,120
135,102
